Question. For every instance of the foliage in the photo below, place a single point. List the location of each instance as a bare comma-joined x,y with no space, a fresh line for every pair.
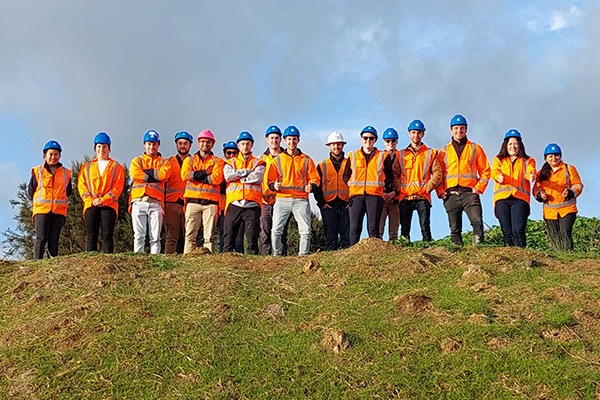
18,242
317,235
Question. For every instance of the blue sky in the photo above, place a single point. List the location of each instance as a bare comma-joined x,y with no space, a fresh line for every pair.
71,69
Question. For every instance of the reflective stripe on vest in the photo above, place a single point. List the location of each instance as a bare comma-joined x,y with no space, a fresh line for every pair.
422,182
189,186
472,174
353,181
326,191
40,199
568,184
278,158
521,189
90,187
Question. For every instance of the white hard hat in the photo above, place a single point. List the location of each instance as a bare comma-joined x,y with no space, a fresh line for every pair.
335,137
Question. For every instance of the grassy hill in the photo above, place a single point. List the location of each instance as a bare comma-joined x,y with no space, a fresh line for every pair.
373,321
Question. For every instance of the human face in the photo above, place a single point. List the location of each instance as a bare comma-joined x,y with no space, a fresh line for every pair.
183,146
416,136
274,141
512,146
231,153
102,150
336,148
458,132
368,141
152,148
554,160
245,146
52,156
205,145
390,144
291,142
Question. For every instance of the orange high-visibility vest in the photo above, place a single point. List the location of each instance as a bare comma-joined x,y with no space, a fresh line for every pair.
107,187
196,190
268,195
333,184
564,177
471,170
175,187
416,171
366,179
516,178
51,192
294,173
237,190
161,168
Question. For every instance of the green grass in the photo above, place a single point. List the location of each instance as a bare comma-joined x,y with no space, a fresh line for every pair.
143,327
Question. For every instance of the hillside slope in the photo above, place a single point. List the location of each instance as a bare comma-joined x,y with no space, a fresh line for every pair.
372,321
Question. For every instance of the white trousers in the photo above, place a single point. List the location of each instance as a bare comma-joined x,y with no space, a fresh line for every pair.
146,215
282,209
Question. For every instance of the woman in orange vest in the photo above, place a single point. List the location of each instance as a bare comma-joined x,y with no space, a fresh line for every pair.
100,184
558,186
513,172
49,189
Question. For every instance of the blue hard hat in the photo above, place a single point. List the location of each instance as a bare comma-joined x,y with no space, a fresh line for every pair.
184,135
52,144
291,131
244,136
102,138
151,136
369,129
512,133
552,148
230,145
273,129
458,120
390,133
416,125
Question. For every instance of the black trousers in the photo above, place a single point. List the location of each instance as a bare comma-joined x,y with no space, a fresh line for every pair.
561,231
234,218
266,226
423,209
512,214
336,223
360,205
47,230
94,218
455,204
239,240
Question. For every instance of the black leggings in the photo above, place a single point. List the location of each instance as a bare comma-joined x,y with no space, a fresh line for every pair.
47,229
94,217
561,231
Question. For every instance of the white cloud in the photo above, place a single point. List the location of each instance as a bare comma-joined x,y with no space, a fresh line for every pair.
565,18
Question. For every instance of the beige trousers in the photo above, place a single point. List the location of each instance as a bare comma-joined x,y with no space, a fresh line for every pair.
174,223
393,211
197,215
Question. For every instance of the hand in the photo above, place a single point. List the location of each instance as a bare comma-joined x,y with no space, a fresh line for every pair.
565,193
389,197
97,203
443,196
326,207
477,191
532,178
209,170
543,195
500,178
278,185
308,188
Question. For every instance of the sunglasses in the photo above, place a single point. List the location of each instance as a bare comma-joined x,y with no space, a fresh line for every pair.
231,153
390,140
369,138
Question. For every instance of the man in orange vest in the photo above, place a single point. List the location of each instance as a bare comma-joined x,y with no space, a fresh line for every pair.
244,176
149,172
292,175
416,174
174,219
49,189
273,138
230,150
203,173
371,176
465,173
333,194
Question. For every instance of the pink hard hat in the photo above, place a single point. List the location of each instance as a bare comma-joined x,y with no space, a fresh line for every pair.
206,134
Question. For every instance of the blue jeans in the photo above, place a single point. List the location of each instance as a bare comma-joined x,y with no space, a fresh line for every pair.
512,214
281,211
336,222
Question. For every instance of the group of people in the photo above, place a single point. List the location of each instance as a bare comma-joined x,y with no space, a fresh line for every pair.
254,195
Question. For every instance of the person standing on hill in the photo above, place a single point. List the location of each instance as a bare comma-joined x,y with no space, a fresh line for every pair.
333,194
273,138
230,150
390,206
149,172
291,176
244,176
49,189
416,174
100,184
174,213
466,172
203,173
513,172
558,186
370,177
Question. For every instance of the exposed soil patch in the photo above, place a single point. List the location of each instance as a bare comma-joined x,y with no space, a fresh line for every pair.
274,310
335,341
564,334
451,344
479,319
497,343
414,303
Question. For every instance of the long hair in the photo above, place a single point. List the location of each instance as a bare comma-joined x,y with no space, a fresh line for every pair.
504,149
545,172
